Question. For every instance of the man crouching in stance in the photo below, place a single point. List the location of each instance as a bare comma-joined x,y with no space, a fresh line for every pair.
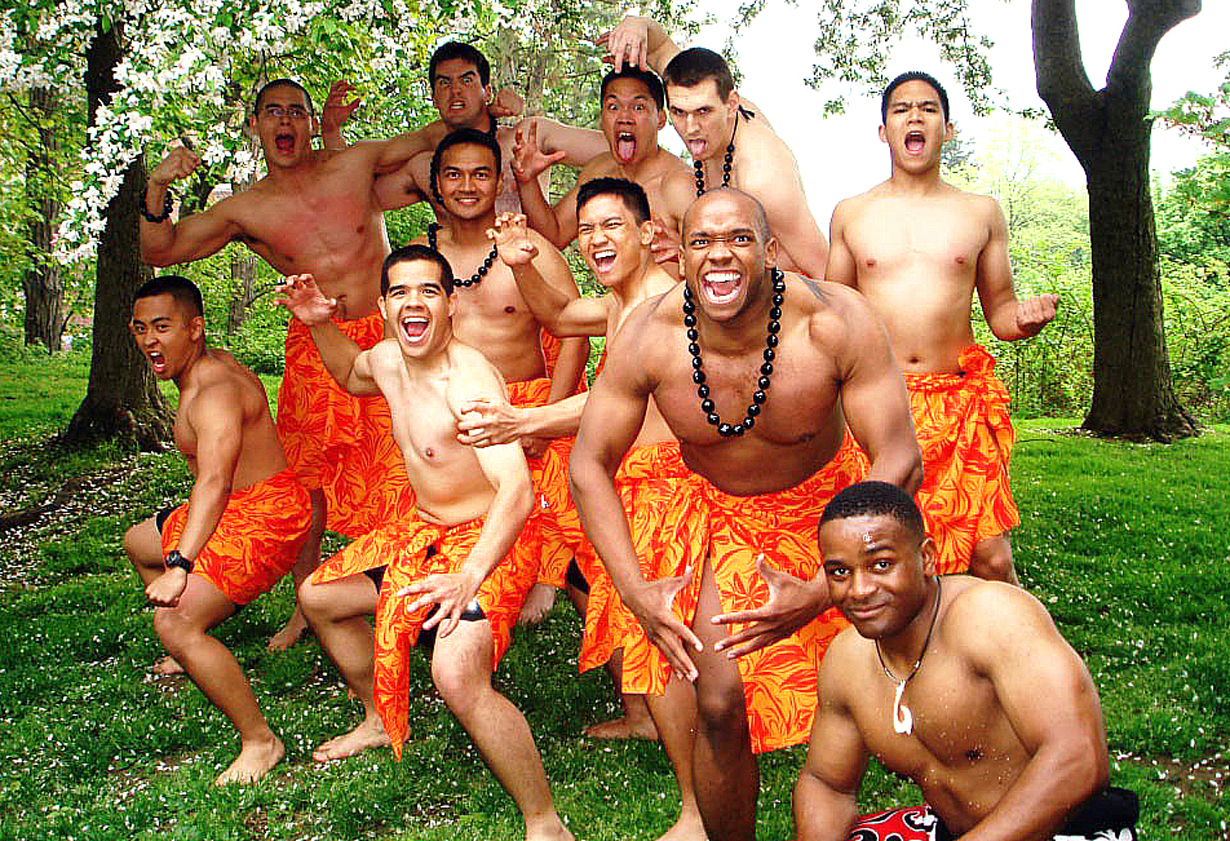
468,551
961,684
244,523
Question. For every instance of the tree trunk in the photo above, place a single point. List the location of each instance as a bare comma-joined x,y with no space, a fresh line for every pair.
1109,132
243,264
122,399
42,284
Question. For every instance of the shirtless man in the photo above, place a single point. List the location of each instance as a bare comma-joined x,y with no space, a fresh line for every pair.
494,318
615,233
633,111
314,211
759,376
984,704
918,249
463,550
460,79
731,140
243,525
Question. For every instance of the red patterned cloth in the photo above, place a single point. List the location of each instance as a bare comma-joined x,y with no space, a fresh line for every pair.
403,547
257,541
966,438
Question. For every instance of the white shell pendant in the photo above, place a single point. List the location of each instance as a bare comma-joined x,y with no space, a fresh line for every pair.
903,719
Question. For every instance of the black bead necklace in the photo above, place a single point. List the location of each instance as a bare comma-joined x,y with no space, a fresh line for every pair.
473,280
766,369
727,163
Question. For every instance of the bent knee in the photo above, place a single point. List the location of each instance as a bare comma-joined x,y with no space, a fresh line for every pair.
992,560
721,708
173,628
458,681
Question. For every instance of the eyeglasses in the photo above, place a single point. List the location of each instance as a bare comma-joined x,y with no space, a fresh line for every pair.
295,112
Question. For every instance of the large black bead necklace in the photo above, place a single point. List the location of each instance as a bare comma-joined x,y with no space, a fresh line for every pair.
473,280
727,163
766,369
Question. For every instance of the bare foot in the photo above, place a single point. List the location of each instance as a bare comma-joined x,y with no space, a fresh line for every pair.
549,828
624,728
537,604
369,734
290,633
168,666
255,760
687,828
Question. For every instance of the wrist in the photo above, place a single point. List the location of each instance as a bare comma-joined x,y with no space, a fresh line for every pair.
145,199
174,560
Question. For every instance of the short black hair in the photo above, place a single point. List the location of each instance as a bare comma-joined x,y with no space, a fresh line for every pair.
181,289
410,253
466,52
693,66
279,83
633,195
876,499
913,76
457,138
646,77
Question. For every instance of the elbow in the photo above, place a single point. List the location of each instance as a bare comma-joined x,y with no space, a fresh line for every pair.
1084,769
521,499
157,257
914,475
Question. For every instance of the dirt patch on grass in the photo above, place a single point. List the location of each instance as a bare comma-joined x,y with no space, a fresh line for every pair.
1208,776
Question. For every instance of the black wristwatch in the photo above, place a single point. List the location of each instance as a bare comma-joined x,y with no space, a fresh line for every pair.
174,559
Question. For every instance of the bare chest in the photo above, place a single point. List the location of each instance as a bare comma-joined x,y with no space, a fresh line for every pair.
895,238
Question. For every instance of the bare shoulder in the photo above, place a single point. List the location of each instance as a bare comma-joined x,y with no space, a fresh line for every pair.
837,314
840,662
471,370
647,329
850,208
384,356
992,614
600,166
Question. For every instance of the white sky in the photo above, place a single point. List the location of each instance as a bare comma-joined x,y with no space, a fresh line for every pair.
842,156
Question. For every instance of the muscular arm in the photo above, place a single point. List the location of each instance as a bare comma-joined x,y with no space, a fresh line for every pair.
400,188
873,396
1050,701
570,366
554,309
841,267
777,185
191,238
345,362
216,417
484,422
825,805
1009,318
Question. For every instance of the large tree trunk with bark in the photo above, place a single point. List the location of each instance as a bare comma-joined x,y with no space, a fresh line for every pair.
42,284
1108,131
122,399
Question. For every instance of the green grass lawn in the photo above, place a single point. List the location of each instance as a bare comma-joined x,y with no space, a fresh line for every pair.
1126,545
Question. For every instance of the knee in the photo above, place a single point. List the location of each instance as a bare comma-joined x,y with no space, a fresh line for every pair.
458,685
172,628
313,600
131,545
721,708
992,560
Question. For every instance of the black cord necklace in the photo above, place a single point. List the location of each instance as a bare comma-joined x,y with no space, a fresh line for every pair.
473,280
903,719
727,163
766,370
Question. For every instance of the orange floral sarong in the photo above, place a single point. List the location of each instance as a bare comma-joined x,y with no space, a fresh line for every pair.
561,526
413,549
683,520
257,541
339,442
966,439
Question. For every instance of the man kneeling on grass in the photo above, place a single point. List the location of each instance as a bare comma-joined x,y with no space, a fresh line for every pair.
469,550
244,523
962,684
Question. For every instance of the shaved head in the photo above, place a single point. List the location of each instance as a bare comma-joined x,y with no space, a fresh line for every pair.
756,212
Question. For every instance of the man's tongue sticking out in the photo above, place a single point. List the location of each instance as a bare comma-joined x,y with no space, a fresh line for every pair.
625,146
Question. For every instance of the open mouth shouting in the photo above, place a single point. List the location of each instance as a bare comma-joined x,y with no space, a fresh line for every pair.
284,142
414,327
915,142
625,146
720,286
603,259
157,361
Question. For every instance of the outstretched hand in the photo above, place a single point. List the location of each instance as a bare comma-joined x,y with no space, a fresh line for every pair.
512,240
1035,313
506,103
651,605
306,302
336,109
792,603
485,422
451,591
528,161
626,44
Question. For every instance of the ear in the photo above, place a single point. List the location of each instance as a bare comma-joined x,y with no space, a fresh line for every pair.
499,182
770,251
732,101
487,95
928,553
452,303
661,118
883,136
384,309
949,132
196,328
648,230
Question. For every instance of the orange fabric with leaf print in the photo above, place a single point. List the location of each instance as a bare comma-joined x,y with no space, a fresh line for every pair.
681,520
338,442
966,438
256,542
412,549
561,526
